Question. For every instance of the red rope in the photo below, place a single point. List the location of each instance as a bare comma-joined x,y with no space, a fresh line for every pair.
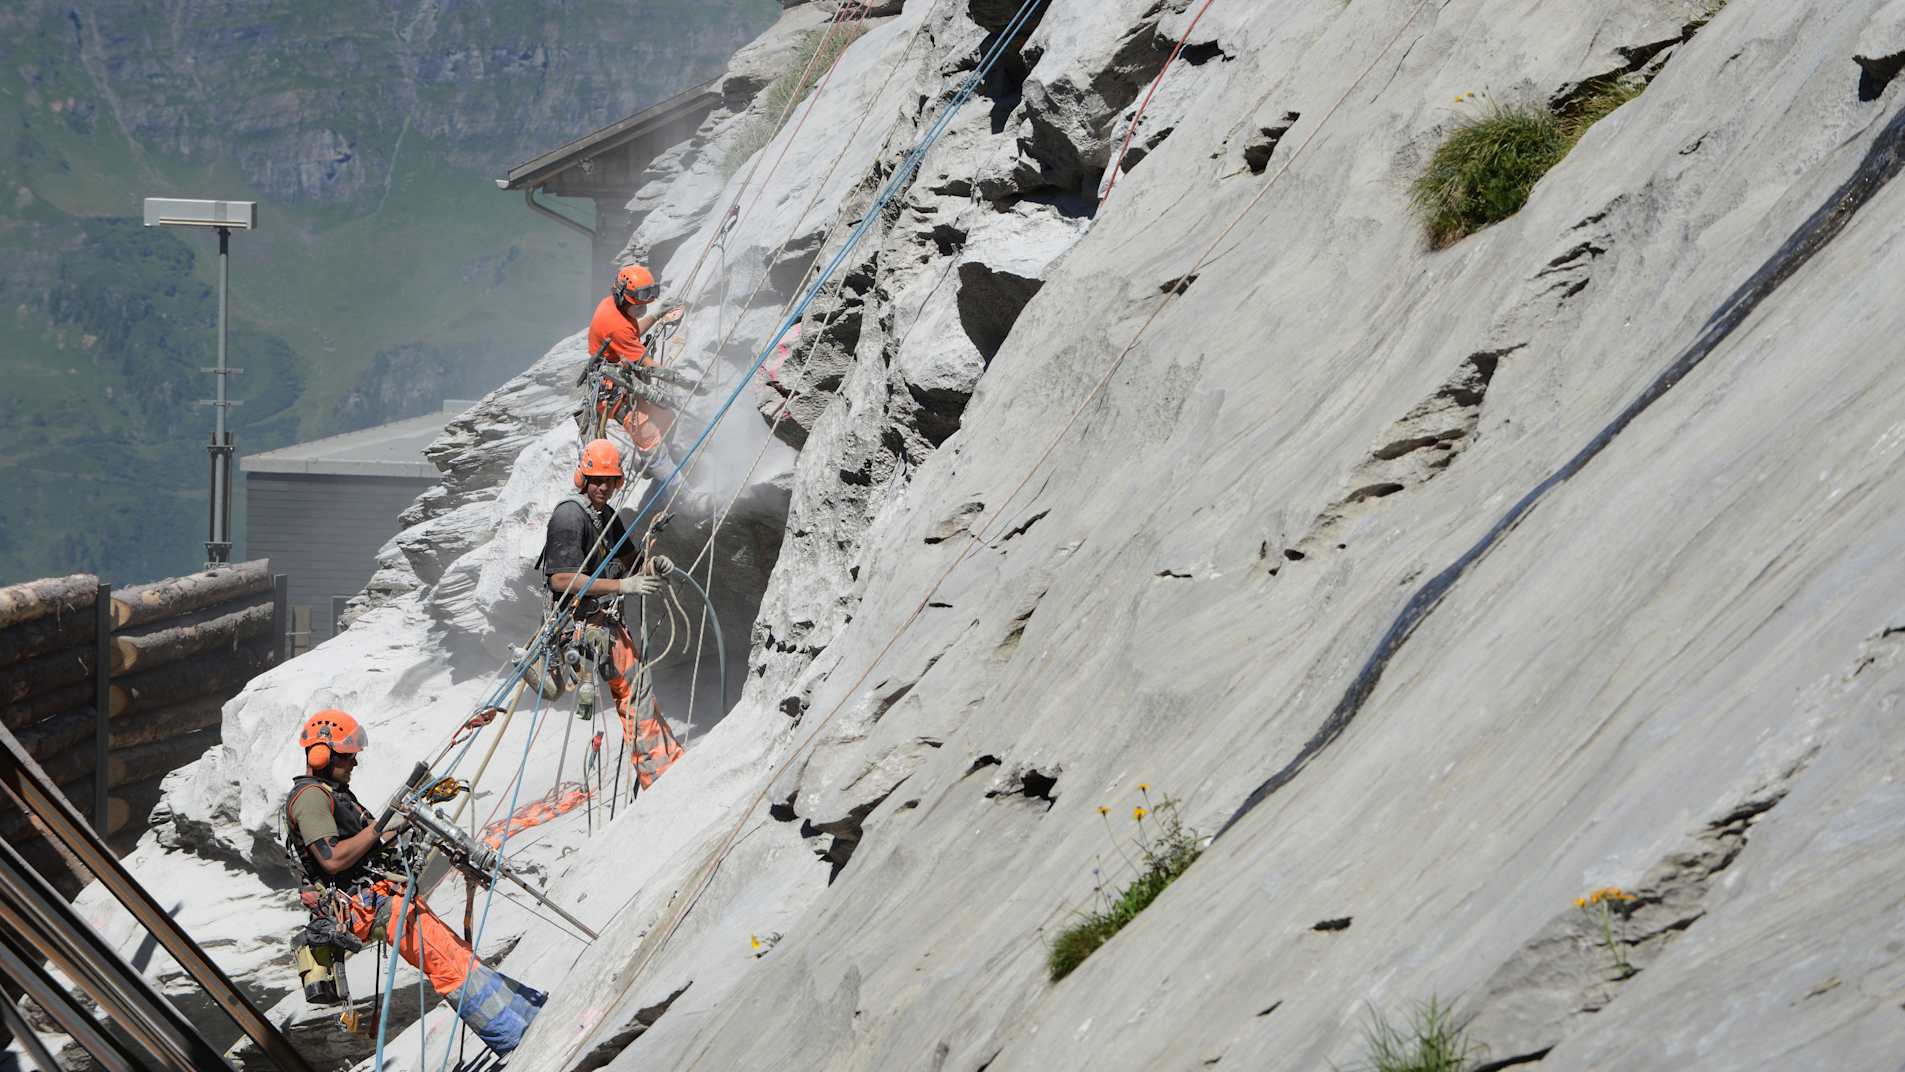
1117,162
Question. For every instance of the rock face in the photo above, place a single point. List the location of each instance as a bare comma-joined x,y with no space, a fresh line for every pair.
1450,585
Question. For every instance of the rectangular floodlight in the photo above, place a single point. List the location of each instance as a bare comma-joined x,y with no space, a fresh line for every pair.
180,212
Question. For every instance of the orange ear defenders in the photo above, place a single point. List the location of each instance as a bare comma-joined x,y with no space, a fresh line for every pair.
328,733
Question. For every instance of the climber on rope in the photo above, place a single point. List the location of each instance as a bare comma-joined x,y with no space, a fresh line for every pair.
628,383
355,890
582,531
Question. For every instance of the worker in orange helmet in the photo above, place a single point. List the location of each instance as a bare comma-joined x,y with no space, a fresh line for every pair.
354,888
587,539
615,337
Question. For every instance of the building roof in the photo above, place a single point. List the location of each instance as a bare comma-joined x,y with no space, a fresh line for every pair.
533,173
388,450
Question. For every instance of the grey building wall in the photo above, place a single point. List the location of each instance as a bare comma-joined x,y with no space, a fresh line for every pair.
324,531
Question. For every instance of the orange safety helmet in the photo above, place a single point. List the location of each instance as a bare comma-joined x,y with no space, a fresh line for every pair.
600,458
635,285
331,731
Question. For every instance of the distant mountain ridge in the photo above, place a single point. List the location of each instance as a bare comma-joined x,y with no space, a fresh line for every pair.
387,274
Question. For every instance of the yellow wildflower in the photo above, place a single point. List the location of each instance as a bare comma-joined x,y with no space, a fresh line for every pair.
755,941
1140,813
1144,787
1580,902
1102,810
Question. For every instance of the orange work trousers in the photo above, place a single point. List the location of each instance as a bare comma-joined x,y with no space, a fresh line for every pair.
655,748
645,422
428,944
499,1009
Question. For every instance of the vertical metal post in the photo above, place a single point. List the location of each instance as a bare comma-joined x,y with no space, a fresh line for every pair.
218,545
281,614
102,705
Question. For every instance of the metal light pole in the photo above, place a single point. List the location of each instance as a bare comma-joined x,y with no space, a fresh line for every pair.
223,216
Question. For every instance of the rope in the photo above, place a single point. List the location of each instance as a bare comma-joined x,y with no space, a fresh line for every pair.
977,537
560,610
390,979
819,188
720,644
1117,161
489,895
900,177
733,211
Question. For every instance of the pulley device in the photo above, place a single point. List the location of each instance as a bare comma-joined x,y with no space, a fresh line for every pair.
429,829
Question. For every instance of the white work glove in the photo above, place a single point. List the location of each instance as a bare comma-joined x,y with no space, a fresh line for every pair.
671,315
662,565
638,585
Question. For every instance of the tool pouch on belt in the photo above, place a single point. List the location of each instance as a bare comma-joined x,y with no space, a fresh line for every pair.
598,649
320,949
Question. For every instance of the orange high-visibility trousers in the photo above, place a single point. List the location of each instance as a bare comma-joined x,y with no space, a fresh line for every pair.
655,746
645,422
427,943
499,1009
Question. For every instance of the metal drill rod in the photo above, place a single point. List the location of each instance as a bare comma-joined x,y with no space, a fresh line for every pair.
478,861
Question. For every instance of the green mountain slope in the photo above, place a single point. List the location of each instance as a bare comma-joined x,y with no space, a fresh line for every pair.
387,274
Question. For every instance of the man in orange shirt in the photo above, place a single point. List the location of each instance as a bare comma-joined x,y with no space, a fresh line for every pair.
615,337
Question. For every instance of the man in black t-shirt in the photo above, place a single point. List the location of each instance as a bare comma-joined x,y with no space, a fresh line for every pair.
583,534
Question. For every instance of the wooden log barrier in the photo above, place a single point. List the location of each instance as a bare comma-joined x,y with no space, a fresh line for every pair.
140,762
52,736
51,632
74,729
43,705
50,595
181,642
134,764
15,824
44,673
224,672
154,602
76,763
176,721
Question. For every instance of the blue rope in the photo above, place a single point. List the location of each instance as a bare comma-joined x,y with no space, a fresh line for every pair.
489,895
390,973
893,187
553,628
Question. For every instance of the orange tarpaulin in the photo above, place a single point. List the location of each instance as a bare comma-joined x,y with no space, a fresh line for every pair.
561,800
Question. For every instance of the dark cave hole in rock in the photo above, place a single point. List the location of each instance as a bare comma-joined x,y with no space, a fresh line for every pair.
1876,73
1199,55
982,763
1263,144
990,301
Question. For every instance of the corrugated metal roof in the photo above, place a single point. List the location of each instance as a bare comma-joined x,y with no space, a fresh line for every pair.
394,450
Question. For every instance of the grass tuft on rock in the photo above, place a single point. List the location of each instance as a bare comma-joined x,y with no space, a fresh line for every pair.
1483,173
1432,1041
1597,104
814,57
1485,170
1166,849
